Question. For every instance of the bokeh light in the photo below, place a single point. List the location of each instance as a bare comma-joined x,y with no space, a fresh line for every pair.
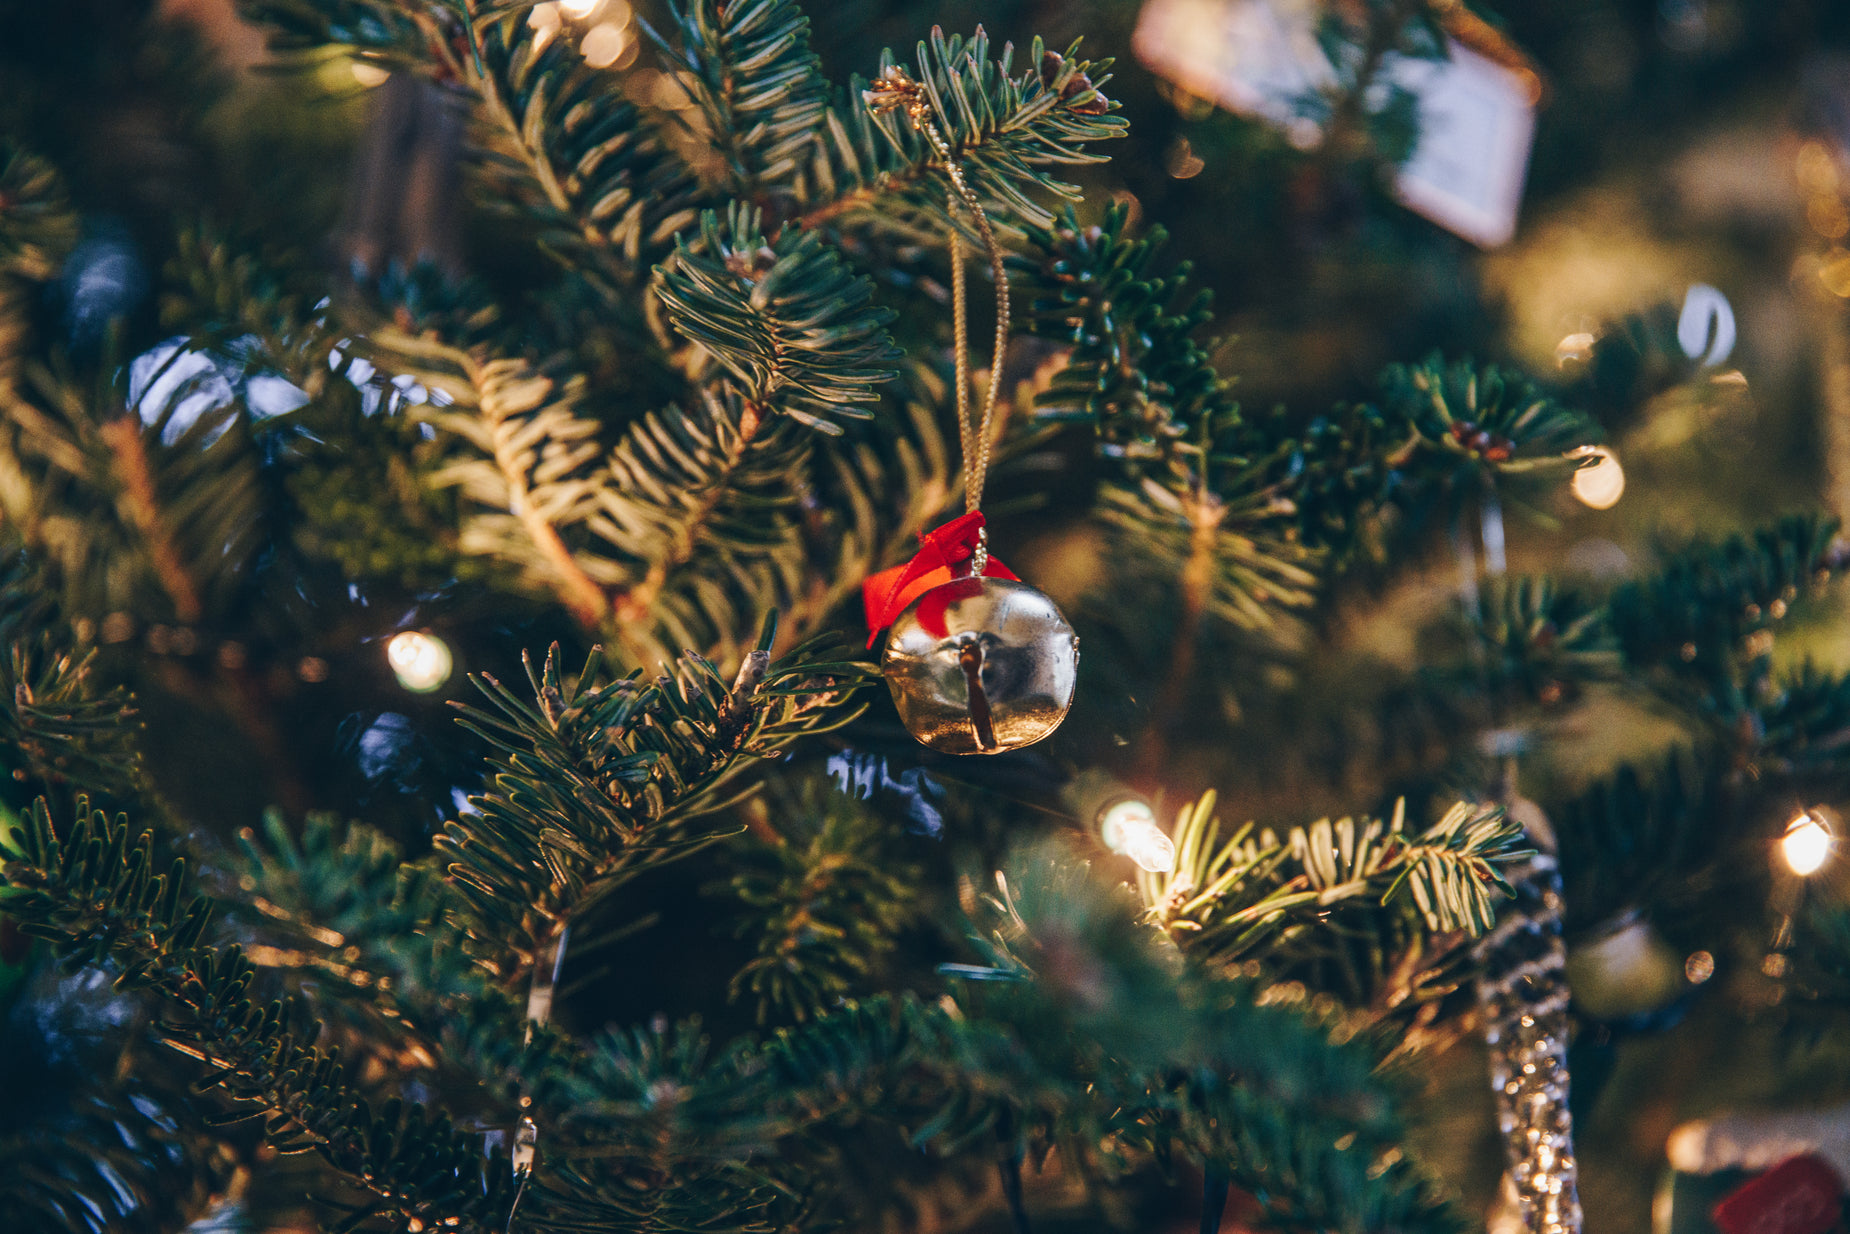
1601,484
1128,828
421,661
603,44
1806,846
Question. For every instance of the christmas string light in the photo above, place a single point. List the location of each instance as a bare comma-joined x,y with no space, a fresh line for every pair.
1601,485
1128,828
422,662
1807,844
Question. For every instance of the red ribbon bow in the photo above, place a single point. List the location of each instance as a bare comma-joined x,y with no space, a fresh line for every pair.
888,593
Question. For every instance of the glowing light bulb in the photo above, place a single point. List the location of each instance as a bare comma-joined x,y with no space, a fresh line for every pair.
1128,828
1575,347
604,44
545,21
1806,846
421,661
1601,485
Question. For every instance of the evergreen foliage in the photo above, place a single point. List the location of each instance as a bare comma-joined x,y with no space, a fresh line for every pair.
692,392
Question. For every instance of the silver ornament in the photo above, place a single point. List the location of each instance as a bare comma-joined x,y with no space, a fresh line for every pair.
1523,996
981,666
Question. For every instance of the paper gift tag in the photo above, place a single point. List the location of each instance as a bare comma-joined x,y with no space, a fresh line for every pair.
1257,57
1477,122
1262,58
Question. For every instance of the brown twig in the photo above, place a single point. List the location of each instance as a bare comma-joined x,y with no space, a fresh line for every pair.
142,506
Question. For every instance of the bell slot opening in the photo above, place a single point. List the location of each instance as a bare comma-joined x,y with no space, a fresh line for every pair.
970,656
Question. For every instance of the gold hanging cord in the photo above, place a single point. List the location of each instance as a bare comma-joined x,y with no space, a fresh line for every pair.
896,89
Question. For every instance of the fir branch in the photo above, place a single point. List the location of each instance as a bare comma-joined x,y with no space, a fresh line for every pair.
1166,1060
608,194
1477,424
1803,728
1537,640
1642,839
178,476
703,504
1340,472
562,144
689,525
750,70
1206,523
1006,129
825,899
1219,540
256,310
1818,973
786,318
351,922
658,1134
174,484
1135,370
611,534
93,894
599,782
1290,903
110,1156
536,468
1709,612
38,227
57,728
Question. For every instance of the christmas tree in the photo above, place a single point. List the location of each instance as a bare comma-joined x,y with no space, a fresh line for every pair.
514,721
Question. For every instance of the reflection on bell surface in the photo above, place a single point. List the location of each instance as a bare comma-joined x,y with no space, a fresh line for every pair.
981,666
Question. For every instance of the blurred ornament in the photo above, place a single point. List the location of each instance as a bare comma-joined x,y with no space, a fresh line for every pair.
1600,484
1806,846
104,280
1758,1141
1523,996
981,666
1627,970
1128,828
1705,329
1800,1195
1271,58
407,187
421,661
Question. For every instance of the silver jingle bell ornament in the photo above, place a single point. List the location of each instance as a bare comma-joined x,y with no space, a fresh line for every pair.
981,666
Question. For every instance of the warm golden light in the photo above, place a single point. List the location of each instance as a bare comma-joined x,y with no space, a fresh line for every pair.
545,21
421,661
1601,484
1128,828
603,44
578,10
1575,347
1806,845
369,75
